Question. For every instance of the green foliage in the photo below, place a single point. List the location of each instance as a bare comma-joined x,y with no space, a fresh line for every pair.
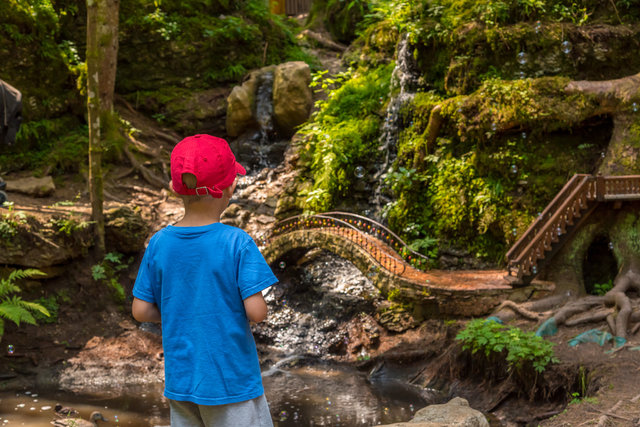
11,221
108,272
341,18
602,288
69,225
51,305
342,134
521,350
13,307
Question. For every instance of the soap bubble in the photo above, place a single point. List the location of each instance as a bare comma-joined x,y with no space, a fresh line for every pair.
602,154
534,270
538,26
10,349
514,169
522,58
282,265
611,245
494,127
524,135
634,107
359,172
514,231
559,231
284,415
566,46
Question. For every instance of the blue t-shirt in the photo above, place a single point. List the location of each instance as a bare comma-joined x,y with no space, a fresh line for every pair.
199,277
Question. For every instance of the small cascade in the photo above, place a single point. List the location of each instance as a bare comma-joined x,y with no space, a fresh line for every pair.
264,117
261,148
264,106
405,76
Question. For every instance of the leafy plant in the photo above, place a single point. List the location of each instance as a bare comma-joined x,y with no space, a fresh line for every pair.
13,307
70,225
602,288
108,272
520,349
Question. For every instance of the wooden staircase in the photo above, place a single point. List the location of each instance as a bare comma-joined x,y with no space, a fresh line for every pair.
571,206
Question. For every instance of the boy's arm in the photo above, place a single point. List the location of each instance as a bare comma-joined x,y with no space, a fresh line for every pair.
255,307
144,311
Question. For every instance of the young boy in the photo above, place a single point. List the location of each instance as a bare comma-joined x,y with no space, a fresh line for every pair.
203,280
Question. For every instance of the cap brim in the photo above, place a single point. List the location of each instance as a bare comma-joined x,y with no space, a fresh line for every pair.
240,170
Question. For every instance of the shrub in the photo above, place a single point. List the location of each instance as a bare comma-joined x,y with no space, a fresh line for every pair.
520,349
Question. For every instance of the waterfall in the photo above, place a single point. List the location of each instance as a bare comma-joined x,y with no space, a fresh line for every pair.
405,77
264,117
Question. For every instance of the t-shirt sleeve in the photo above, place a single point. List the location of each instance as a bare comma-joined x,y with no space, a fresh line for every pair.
254,274
143,287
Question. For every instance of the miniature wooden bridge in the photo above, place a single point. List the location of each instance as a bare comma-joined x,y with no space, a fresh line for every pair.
392,266
566,212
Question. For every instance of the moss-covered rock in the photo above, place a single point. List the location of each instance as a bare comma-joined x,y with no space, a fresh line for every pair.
125,230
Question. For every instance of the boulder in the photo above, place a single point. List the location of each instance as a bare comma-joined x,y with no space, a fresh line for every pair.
292,97
125,230
27,242
32,186
241,104
455,413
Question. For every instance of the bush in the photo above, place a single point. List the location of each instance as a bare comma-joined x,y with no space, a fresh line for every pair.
521,350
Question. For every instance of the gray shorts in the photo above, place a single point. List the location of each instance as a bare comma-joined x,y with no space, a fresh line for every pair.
250,413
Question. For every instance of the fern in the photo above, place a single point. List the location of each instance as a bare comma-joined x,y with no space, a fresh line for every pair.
13,307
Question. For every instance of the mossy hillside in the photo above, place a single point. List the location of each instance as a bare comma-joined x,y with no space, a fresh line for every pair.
503,152
342,136
458,44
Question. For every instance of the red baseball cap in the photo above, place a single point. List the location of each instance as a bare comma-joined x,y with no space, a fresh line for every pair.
210,159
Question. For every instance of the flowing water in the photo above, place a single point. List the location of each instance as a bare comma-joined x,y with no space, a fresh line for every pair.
303,385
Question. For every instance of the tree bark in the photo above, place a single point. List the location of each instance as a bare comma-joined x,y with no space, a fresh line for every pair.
102,50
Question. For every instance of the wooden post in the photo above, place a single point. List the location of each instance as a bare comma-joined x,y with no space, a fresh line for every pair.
600,189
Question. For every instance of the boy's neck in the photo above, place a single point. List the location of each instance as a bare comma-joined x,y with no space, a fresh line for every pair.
203,212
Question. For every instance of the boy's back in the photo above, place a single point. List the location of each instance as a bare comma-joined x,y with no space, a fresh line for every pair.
199,277
203,280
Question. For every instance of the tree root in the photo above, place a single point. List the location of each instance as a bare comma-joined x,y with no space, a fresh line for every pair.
603,419
148,176
528,314
322,40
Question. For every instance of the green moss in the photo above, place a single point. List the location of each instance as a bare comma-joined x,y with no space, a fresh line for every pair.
342,135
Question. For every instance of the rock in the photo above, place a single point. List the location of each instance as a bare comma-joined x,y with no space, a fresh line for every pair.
125,230
27,242
241,104
32,186
455,413
292,97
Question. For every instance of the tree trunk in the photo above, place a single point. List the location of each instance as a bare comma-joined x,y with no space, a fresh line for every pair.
102,50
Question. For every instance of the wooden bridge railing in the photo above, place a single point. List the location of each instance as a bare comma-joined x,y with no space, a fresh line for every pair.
366,233
552,224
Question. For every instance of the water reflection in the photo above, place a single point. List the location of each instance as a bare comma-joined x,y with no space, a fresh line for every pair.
330,394
301,390
141,406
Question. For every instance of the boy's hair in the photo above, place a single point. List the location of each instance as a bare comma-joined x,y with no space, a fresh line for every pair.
209,160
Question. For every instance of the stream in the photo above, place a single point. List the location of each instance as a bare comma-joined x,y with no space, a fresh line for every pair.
305,384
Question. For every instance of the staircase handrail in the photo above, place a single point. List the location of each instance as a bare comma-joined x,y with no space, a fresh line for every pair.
549,231
548,211
380,256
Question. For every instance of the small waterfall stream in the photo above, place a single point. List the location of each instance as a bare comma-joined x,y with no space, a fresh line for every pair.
404,81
